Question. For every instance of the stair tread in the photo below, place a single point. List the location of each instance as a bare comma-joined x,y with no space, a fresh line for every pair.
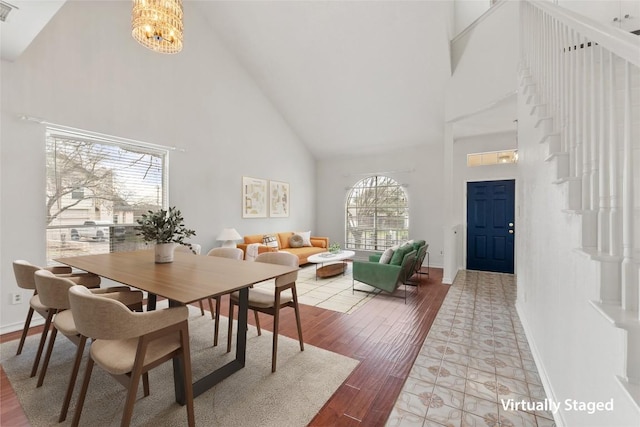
624,319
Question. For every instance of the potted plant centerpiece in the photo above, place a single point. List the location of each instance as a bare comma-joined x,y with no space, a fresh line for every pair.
166,229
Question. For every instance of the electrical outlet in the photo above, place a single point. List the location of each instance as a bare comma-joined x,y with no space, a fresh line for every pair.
16,298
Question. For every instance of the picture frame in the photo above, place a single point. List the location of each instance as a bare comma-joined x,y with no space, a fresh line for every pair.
254,197
279,197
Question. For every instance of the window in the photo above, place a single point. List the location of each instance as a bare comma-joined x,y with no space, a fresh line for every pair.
377,214
492,158
94,182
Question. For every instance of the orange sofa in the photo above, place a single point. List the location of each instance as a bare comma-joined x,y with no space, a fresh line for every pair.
319,244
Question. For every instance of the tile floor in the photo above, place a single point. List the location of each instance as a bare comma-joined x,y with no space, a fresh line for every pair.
475,356
331,293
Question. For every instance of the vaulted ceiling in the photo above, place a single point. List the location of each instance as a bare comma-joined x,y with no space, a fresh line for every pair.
348,77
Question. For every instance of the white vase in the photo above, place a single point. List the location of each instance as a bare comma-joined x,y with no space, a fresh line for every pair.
164,252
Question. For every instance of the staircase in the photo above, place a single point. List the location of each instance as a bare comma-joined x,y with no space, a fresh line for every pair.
580,82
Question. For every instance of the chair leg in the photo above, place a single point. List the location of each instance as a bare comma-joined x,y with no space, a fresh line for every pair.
145,384
216,320
43,338
83,393
136,373
201,308
255,314
72,379
276,324
296,309
211,306
186,368
47,356
230,329
27,323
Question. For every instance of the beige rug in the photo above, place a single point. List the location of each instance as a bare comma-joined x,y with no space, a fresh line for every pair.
332,293
253,396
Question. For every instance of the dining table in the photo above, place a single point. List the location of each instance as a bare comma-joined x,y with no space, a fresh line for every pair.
189,278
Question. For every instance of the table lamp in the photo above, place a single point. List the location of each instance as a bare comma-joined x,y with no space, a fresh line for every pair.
229,235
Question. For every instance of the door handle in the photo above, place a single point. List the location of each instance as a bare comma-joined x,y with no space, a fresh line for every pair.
510,224
510,231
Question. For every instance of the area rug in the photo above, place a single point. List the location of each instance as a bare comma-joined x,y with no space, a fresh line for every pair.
254,396
331,293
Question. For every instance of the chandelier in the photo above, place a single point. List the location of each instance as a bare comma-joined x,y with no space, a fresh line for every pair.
157,24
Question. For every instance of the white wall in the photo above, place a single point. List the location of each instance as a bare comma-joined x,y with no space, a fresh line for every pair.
419,167
467,11
578,352
486,69
94,76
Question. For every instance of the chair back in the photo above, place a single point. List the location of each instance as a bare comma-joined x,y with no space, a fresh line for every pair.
232,253
281,258
97,317
407,266
52,290
24,272
422,253
196,247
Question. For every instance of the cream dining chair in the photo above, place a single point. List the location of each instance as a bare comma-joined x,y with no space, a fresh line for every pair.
197,249
128,345
54,293
270,302
231,253
24,273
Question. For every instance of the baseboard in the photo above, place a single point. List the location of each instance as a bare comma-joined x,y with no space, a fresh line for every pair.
546,384
36,321
448,280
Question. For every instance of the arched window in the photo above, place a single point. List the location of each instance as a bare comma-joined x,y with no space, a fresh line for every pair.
377,214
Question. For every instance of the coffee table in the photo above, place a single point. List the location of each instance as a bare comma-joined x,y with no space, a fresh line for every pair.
332,267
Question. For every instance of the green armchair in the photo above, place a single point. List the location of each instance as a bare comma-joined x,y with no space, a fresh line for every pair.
386,277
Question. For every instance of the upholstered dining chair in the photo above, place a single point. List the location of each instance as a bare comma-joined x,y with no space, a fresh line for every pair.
128,345
24,272
270,302
231,253
54,293
198,250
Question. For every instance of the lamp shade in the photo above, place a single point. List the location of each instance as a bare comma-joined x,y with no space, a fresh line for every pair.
228,235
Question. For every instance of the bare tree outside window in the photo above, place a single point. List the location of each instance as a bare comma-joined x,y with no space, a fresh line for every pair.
94,184
377,214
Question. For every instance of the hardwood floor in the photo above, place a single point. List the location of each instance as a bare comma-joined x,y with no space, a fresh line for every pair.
385,335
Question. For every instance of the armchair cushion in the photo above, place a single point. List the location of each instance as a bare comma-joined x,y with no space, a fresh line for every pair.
399,254
386,256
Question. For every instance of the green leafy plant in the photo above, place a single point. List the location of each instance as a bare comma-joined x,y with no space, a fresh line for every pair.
334,248
164,226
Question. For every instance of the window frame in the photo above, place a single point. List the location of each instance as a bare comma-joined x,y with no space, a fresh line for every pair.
395,235
56,133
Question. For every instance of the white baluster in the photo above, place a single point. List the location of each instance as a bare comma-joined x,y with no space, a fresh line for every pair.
573,100
614,221
603,176
593,137
586,134
629,270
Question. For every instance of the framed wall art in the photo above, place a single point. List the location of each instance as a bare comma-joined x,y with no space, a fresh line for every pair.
278,199
254,197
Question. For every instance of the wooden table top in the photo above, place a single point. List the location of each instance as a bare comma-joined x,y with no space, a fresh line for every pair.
187,279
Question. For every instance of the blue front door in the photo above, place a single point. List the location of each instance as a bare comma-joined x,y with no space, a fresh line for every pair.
490,225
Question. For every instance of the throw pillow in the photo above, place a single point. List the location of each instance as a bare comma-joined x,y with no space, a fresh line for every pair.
296,241
270,240
306,237
386,256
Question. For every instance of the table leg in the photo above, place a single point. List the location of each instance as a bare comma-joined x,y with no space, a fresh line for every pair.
225,371
151,301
